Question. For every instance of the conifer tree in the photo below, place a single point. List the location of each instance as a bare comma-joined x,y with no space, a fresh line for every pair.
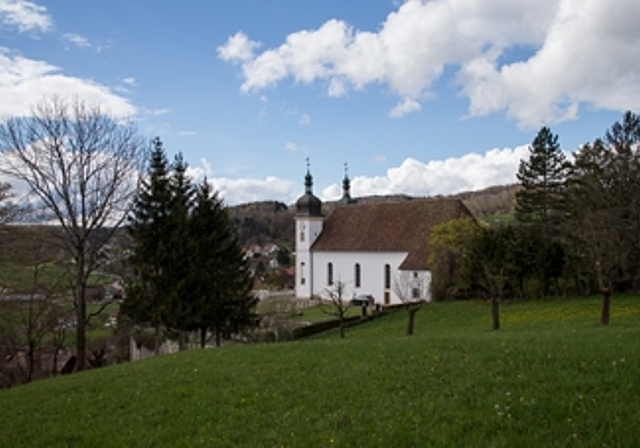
543,179
541,204
219,293
149,229
179,257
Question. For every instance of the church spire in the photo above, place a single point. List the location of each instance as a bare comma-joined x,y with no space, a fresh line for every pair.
346,188
308,180
309,204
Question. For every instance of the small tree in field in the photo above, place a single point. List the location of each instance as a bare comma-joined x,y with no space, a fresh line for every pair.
337,305
413,290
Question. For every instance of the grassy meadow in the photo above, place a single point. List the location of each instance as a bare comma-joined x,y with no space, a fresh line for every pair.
552,376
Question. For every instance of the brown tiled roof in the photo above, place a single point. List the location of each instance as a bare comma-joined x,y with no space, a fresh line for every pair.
388,227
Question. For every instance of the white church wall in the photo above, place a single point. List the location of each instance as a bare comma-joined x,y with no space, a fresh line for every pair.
307,231
372,272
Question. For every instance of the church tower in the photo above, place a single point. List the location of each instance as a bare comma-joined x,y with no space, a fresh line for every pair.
346,189
308,223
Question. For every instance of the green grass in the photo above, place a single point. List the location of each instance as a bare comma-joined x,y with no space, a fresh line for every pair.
552,376
319,314
499,218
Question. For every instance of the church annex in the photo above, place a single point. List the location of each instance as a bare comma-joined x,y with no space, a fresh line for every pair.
369,248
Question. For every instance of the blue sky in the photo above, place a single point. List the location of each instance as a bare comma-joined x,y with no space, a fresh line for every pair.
417,97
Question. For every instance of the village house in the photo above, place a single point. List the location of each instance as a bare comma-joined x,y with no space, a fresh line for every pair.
367,248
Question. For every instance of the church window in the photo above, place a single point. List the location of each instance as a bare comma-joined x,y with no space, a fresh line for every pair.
387,276
329,274
302,229
302,280
358,275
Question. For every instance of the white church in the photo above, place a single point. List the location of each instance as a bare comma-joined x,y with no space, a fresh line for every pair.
380,249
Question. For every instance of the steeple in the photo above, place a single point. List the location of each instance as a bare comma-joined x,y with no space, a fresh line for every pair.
346,188
308,204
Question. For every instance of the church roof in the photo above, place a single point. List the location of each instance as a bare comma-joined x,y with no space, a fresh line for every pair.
389,227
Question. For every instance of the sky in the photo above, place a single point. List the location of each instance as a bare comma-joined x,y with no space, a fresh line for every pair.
408,97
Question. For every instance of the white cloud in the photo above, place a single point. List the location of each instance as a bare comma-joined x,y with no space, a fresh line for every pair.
440,177
469,172
25,15
241,191
155,112
24,82
77,40
537,61
238,48
291,147
304,119
404,107
126,85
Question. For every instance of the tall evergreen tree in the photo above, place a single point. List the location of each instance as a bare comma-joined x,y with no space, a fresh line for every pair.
543,179
541,204
178,264
149,228
219,298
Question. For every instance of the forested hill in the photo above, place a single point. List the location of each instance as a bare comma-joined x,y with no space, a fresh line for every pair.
272,222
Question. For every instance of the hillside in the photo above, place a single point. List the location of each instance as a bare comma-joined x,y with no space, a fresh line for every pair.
272,222
551,377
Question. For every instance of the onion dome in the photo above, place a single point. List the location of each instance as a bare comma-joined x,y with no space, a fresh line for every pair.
309,204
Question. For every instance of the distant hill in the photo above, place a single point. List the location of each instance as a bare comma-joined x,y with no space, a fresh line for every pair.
272,221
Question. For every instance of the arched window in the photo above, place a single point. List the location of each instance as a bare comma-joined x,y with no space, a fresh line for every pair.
302,281
329,274
358,275
387,276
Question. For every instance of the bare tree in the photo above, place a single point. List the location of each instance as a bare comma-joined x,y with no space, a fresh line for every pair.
82,164
412,289
9,209
337,305
31,292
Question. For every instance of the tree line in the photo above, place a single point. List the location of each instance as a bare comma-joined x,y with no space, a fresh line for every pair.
576,227
92,175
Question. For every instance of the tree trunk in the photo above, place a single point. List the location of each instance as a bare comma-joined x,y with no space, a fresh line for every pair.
54,367
411,319
341,324
182,346
606,306
203,337
30,362
495,313
156,339
81,316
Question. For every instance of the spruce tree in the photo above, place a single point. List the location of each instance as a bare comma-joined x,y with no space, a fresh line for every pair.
149,229
543,179
179,256
189,271
219,298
